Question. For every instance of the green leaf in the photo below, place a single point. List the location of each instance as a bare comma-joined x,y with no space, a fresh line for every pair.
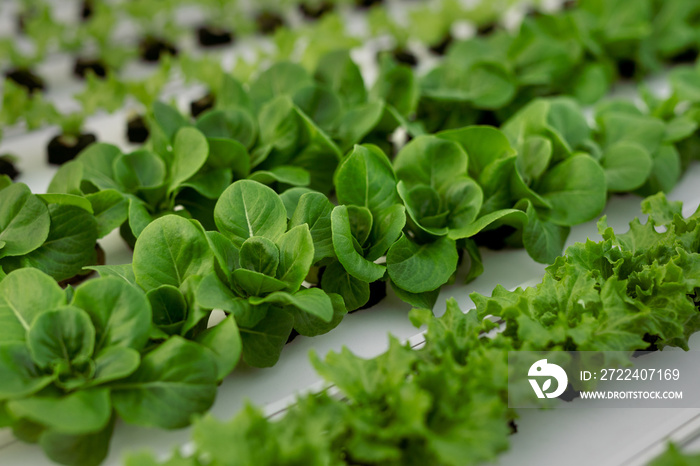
86,450
508,216
169,309
287,174
263,343
124,272
80,412
280,79
355,292
19,374
419,268
425,300
61,336
339,73
169,119
310,325
260,255
233,124
212,294
354,263
224,340
322,105
114,363
170,250
24,294
67,199
248,208
314,209
24,221
483,145
576,190
357,122
627,166
665,171
486,85
139,169
256,283
175,381
386,229
543,241
463,200
119,310
110,208
98,165
366,178
310,300
190,152
431,161
661,210
296,254
67,179
227,153
534,158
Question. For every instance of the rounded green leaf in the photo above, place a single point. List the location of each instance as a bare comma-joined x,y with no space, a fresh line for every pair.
576,189
418,268
169,308
259,254
175,381
80,412
190,152
248,208
320,104
314,209
366,178
281,78
19,374
119,311
63,335
139,169
263,343
310,300
483,144
168,251
627,166
431,161
24,220
24,294
233,124
343,244
98,165
336,279
296,254
85,450
224,340
255,283
114,363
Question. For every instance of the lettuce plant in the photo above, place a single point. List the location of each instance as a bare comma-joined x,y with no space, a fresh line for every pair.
259,269
54,233
367,222
72,362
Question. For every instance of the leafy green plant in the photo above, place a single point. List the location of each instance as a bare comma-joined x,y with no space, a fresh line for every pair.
367,222
72,362
260,267
447,402
55,233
